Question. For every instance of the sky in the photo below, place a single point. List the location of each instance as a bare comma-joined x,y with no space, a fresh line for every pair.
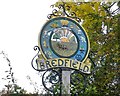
20,25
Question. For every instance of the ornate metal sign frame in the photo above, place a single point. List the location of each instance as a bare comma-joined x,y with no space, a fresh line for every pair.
63,31
63,43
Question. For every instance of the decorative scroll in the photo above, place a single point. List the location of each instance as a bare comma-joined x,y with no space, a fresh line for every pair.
33,62
51,80
63,8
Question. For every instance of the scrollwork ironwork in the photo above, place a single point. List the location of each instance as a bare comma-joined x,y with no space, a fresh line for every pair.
63,11
51,80
34,60
83,80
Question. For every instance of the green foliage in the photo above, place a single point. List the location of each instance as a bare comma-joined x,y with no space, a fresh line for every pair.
101,22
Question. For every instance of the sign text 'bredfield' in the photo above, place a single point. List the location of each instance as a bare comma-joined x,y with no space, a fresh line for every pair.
63,62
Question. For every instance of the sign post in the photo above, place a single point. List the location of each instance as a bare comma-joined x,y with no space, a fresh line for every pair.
66,82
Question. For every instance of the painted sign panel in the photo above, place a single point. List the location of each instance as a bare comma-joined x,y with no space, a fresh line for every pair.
63,37
64,63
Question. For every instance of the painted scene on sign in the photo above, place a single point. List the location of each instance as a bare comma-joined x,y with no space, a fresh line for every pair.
64,42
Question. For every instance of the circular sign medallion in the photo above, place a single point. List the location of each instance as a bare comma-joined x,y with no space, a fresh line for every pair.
63,37
63,42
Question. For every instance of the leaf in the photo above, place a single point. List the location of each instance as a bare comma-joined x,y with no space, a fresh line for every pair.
96,6
8,78
7,75
13,80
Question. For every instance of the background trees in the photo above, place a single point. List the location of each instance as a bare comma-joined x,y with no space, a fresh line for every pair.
101,21
11,86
